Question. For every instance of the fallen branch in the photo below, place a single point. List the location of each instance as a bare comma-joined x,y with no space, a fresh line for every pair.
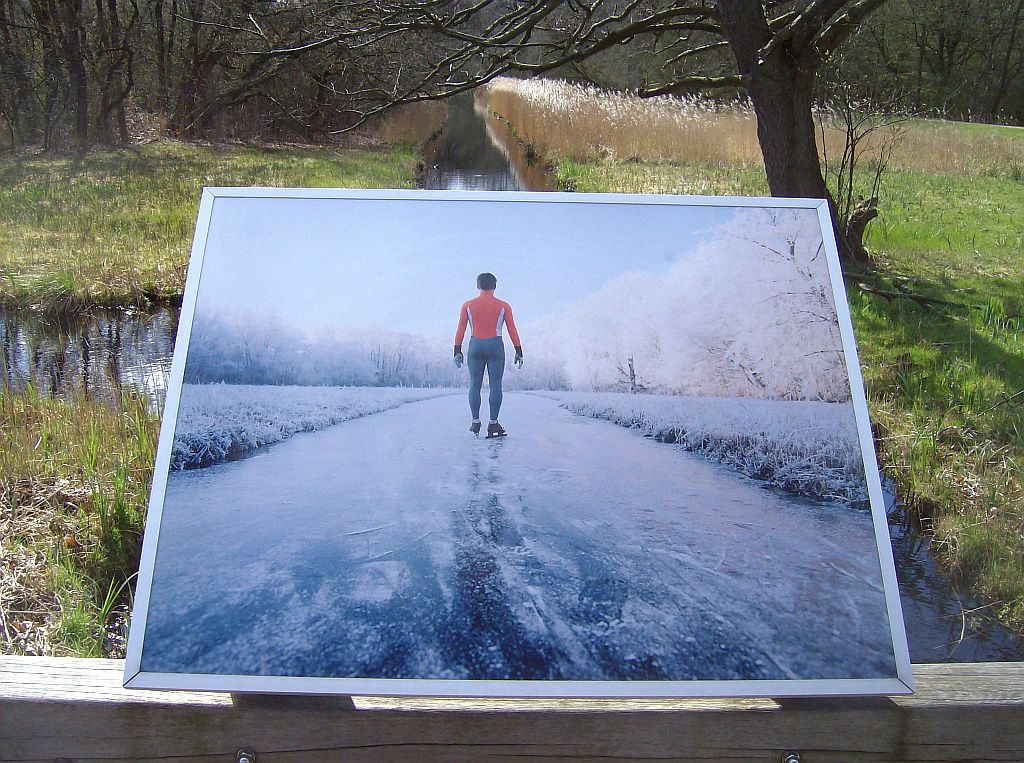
923,301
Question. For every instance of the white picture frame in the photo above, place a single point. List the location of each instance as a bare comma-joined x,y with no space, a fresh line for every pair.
137,675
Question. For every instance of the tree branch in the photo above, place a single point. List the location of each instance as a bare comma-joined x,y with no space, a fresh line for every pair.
833,35
692,83
802,28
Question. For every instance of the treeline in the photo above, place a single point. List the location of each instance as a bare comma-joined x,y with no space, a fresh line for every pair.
956,59
259,349
72,72
961,59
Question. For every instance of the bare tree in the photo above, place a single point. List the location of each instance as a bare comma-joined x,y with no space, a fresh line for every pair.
777,47
958,58
871,130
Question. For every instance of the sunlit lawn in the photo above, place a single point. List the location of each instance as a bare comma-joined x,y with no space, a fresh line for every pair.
114,228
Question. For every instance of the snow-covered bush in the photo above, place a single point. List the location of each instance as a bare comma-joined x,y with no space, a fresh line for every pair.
805,447
222,421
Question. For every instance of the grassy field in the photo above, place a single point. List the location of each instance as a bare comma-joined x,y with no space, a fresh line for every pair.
74,478
114,228
939,324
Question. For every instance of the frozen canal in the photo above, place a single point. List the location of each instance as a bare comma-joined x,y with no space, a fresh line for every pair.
399,545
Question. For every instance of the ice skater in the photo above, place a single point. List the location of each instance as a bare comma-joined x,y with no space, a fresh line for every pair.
485,316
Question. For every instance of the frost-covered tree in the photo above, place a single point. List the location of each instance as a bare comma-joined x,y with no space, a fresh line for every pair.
262,349
748,313
243,349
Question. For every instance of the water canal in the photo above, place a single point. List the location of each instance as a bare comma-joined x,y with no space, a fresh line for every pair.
478,152
107,353
101,355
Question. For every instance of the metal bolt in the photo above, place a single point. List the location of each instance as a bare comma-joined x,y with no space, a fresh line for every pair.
791,757
245,755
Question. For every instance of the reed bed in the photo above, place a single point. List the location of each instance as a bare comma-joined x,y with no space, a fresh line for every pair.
562,120
411,125
74,476
565,120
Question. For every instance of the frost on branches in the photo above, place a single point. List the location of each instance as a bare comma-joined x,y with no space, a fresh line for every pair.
747,314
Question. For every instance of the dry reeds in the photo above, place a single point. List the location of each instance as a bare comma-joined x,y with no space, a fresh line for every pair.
562,120
410,125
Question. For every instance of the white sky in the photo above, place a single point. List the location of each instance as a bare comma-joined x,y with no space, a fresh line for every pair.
408,265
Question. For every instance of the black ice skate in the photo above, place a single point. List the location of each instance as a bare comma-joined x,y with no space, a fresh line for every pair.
475,428
495,430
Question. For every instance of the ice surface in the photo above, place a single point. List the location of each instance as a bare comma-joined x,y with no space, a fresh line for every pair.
399,545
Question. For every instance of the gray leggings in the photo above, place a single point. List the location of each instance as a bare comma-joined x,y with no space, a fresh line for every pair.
489,354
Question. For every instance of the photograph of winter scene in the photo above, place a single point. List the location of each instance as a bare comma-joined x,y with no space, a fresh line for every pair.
513,438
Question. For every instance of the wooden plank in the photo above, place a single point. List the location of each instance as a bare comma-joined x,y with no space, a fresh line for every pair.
74,709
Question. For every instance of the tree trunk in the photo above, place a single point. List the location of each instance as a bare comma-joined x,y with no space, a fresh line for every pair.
781,90
125,62
783,97
51,88
864,212
161,54
103,75
77,75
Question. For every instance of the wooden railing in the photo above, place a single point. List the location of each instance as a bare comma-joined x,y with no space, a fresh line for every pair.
54,709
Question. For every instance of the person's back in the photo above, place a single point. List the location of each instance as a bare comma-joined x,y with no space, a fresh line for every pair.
485,315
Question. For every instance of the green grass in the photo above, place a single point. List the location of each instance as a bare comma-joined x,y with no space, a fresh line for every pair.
970,128
944,373
952,224
74,478
114,228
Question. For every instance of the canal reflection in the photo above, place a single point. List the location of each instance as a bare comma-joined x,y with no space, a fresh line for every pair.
100,355
478,152
943,624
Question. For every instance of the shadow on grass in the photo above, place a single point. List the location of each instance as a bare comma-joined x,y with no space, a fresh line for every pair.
941,345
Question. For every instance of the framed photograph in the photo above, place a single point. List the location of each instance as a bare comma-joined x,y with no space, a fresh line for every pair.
515,444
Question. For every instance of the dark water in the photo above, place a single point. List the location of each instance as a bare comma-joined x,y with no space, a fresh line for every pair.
943,623
109,352
100,355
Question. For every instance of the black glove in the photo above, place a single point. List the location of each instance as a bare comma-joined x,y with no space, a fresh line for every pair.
518,362
459,358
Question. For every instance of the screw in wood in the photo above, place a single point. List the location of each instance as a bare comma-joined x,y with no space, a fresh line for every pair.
245,755
790,756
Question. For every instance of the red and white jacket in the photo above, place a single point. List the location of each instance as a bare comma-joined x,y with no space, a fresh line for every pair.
485,316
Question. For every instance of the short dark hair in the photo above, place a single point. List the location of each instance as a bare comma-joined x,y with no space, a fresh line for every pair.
486,281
